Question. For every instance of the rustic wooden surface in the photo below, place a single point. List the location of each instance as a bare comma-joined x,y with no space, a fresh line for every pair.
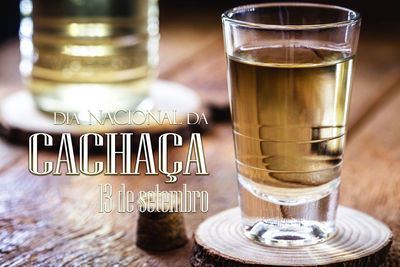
360,240
53,221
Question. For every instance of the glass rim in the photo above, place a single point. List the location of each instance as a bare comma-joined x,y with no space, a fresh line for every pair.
227,16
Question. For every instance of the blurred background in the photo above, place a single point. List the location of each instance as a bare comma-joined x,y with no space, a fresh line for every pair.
192,26
377,15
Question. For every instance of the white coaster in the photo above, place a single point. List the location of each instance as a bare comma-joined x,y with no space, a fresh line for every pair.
18,112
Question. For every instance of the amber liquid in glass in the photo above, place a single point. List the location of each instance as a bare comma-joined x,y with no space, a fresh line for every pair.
289,107
91,54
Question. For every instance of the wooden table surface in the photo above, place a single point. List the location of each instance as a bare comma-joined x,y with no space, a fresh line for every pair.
53,221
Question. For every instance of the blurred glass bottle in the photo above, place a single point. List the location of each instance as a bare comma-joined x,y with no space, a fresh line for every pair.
79,55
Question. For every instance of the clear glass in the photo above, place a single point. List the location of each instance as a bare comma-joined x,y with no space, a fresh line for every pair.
290,69
88,54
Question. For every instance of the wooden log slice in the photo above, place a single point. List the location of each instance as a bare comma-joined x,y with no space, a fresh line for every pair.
19,117
360,241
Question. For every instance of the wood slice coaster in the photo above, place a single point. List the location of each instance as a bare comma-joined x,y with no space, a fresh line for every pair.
360,241
19,117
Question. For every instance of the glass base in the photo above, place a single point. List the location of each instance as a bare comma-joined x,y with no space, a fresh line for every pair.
285,223
289,233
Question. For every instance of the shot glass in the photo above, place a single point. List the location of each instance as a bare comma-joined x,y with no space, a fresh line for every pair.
88,54
290,69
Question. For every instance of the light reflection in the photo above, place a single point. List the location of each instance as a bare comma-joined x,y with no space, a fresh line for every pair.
26,47
25,67
85,50
88,30
25,6
26,27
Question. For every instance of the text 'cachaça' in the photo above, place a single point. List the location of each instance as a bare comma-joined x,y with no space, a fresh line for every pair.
195,155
